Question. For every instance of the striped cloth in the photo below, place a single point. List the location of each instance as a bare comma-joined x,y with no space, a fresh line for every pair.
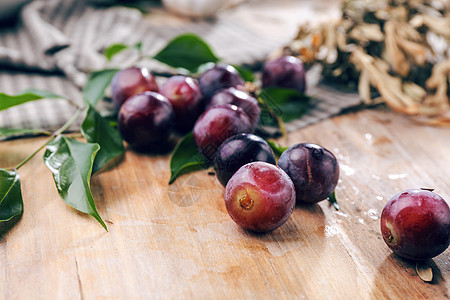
58,42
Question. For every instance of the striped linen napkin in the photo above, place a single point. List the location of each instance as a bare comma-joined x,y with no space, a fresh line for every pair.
58,42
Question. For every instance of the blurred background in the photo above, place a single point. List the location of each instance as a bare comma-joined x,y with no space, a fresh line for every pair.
54,44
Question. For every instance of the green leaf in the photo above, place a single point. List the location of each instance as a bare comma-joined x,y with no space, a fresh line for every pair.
267,117
138,46
70,162
333,201
245,73
186,158
140,5
7,101
277,148
289,104
98,81
187,51
11,204
14,132
113,50
96,129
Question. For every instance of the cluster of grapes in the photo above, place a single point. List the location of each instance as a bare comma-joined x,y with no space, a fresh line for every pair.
217,103
222,115
259,194
149,114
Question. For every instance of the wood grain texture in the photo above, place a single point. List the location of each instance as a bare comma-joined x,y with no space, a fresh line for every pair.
163,246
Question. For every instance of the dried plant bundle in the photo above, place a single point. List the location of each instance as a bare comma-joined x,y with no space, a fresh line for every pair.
397,52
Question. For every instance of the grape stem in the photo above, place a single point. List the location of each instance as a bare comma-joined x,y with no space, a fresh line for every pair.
53,136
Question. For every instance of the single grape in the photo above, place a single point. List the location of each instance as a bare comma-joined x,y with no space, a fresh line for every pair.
217,78
239,150
260,197
285,72
184,94
129,82
415,224
239,98
217,124
146,121
313,169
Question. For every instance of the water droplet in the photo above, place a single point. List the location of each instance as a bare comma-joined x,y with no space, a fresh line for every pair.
369,138
343,158
330,231
347,170
361,221
379,198
341,214
397,176
373,213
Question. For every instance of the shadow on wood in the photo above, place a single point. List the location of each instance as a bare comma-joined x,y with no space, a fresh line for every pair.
6,226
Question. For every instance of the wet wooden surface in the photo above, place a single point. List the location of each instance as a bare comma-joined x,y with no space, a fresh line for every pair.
178,242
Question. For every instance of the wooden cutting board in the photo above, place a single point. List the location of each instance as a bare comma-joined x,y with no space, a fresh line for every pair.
178,242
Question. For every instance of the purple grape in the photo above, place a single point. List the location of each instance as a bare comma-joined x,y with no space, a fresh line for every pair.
313,169
217,124
239,98
285,72
184,94
260,197
239,150
217,78
146,120
415,224
129,82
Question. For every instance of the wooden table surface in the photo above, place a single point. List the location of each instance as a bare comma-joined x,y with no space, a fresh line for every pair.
178,242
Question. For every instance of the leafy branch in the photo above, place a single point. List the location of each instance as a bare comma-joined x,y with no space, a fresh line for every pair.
60,157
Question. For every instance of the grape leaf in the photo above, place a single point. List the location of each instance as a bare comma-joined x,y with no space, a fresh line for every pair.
186,158
138,46
289,104
140,5
11,203
277,148
113,50
7,101
14,132
245,73
187,51
96,129
95,87
333,201
70,162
